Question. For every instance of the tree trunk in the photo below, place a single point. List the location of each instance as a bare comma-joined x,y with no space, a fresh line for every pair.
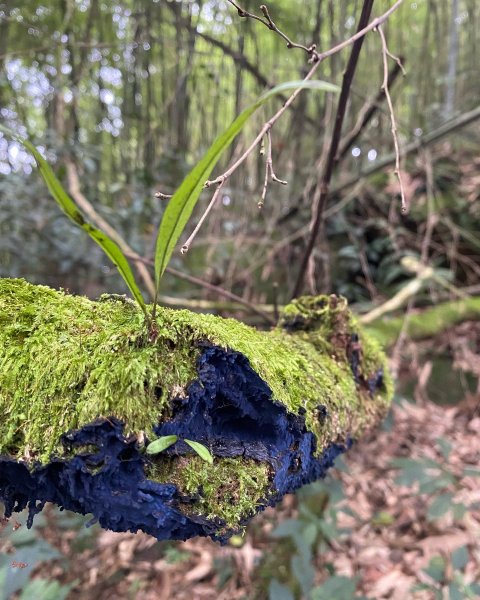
84,387
452,62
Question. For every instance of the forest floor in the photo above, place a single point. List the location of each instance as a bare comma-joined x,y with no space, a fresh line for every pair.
413,524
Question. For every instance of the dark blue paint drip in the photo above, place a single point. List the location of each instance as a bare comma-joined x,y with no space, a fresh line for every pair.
229,409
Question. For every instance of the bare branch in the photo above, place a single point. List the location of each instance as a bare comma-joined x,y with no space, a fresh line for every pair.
188,243
317,57
385,54
163,196
320,56
321,193
269,172
74,189
206,285
268,22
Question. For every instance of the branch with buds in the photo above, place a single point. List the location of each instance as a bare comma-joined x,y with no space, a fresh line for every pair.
316,58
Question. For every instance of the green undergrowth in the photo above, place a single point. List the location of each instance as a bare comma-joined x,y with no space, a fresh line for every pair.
230,489
426,323
66,360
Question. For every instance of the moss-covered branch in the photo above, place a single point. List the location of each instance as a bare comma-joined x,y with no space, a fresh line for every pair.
427,322
84,387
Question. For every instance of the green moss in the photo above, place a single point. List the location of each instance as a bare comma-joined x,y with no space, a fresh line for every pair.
230,489
65,361
427,322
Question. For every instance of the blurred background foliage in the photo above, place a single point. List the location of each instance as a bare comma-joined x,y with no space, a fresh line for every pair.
132,93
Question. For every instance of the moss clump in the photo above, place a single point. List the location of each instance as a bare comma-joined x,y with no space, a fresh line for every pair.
323,329
65,361
229,489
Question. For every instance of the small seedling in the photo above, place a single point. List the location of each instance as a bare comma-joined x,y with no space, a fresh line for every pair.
164,442
161,444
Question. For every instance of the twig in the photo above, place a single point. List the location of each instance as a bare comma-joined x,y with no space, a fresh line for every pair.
365,115
425,140
261,202
163,196
268,22
321,56
320,197
265,130
269,172
188,243
206,285
211,305
385,54
84,204
424,274
270,162
410,290
394,362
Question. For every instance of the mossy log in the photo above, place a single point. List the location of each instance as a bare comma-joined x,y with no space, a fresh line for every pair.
427,322
84,387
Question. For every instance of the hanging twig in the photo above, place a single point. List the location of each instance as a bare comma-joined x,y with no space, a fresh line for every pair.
366,114
269,172
385,54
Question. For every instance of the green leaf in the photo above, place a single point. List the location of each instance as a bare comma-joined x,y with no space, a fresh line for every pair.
437,482
460,558
69,207
329,530
421,587
382,519
304,572
43,589
436,569
201,450
471,472
474,588
182,203
454,592
277,591
458,510
338,587
287,528
161,444
309,534
440,506
444,446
